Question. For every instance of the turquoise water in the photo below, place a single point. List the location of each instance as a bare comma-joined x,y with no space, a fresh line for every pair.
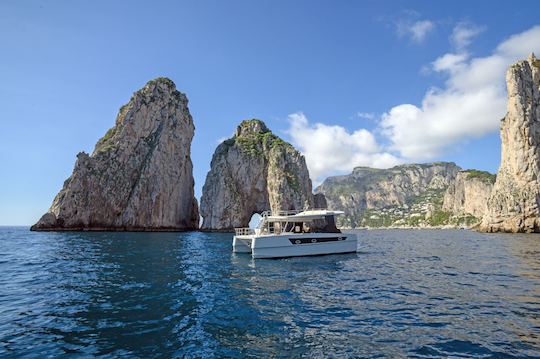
406,293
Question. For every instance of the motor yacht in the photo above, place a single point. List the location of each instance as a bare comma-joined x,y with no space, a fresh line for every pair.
294,233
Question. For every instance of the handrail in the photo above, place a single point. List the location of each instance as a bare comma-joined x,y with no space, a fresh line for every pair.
244,231
288,212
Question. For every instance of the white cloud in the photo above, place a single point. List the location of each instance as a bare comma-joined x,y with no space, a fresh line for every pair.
420,29
331,149
463,34
470,105
416,30
449,62
366,115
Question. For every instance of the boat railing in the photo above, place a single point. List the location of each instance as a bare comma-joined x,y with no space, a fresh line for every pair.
246,231
288,212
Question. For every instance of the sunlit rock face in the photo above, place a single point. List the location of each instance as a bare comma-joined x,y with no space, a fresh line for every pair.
398,196
468,194
514,202
251,172
139,176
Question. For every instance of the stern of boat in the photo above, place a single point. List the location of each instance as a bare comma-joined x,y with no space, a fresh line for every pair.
243,240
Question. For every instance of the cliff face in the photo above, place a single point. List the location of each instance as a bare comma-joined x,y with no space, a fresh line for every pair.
468,193
407,195
139,176
252,172
514,202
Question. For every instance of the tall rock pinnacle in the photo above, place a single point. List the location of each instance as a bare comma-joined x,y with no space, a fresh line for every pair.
139,176
514,202
251,172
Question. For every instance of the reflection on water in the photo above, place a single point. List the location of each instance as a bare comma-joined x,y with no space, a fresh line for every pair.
405,293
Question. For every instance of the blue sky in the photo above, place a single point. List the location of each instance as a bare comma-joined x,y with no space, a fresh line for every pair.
351,75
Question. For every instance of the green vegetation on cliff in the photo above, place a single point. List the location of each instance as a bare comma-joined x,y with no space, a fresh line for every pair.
424,210
483,176
105,143
254,138
409,195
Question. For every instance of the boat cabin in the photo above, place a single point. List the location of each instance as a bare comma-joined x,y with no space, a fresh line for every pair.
309,221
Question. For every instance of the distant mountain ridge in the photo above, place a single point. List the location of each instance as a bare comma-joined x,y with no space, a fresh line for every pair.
411,195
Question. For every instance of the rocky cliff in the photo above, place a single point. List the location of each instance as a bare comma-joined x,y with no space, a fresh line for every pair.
468,193
252,172
139,176
406,195
514,202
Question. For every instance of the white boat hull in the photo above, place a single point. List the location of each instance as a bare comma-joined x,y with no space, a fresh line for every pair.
242,244
295,245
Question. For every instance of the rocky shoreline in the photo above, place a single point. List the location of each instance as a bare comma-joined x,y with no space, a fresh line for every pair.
408,228
109,229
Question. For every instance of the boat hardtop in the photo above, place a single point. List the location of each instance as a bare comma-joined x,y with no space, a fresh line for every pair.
307,215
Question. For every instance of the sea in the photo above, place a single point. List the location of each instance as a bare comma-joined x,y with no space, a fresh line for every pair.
405,293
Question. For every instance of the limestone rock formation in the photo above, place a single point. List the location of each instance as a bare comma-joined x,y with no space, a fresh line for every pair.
252,172
139,176
514,202
406,195
468,193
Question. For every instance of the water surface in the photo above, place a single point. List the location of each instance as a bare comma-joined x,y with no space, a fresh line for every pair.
416,293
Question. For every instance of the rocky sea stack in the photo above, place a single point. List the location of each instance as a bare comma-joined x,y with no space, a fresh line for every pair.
514,202
139,176
252,172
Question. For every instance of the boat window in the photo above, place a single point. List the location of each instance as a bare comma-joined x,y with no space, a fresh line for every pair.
330,225
326,225
289,227
309,227
295,227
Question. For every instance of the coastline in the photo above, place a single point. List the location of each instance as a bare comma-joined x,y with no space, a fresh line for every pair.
409,228
183,230
113,229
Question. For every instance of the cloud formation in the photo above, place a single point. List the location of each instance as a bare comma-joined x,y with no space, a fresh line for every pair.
417,31
333,149
469,105
463,34
366,115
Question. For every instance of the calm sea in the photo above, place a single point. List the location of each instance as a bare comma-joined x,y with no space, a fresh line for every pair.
405,293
